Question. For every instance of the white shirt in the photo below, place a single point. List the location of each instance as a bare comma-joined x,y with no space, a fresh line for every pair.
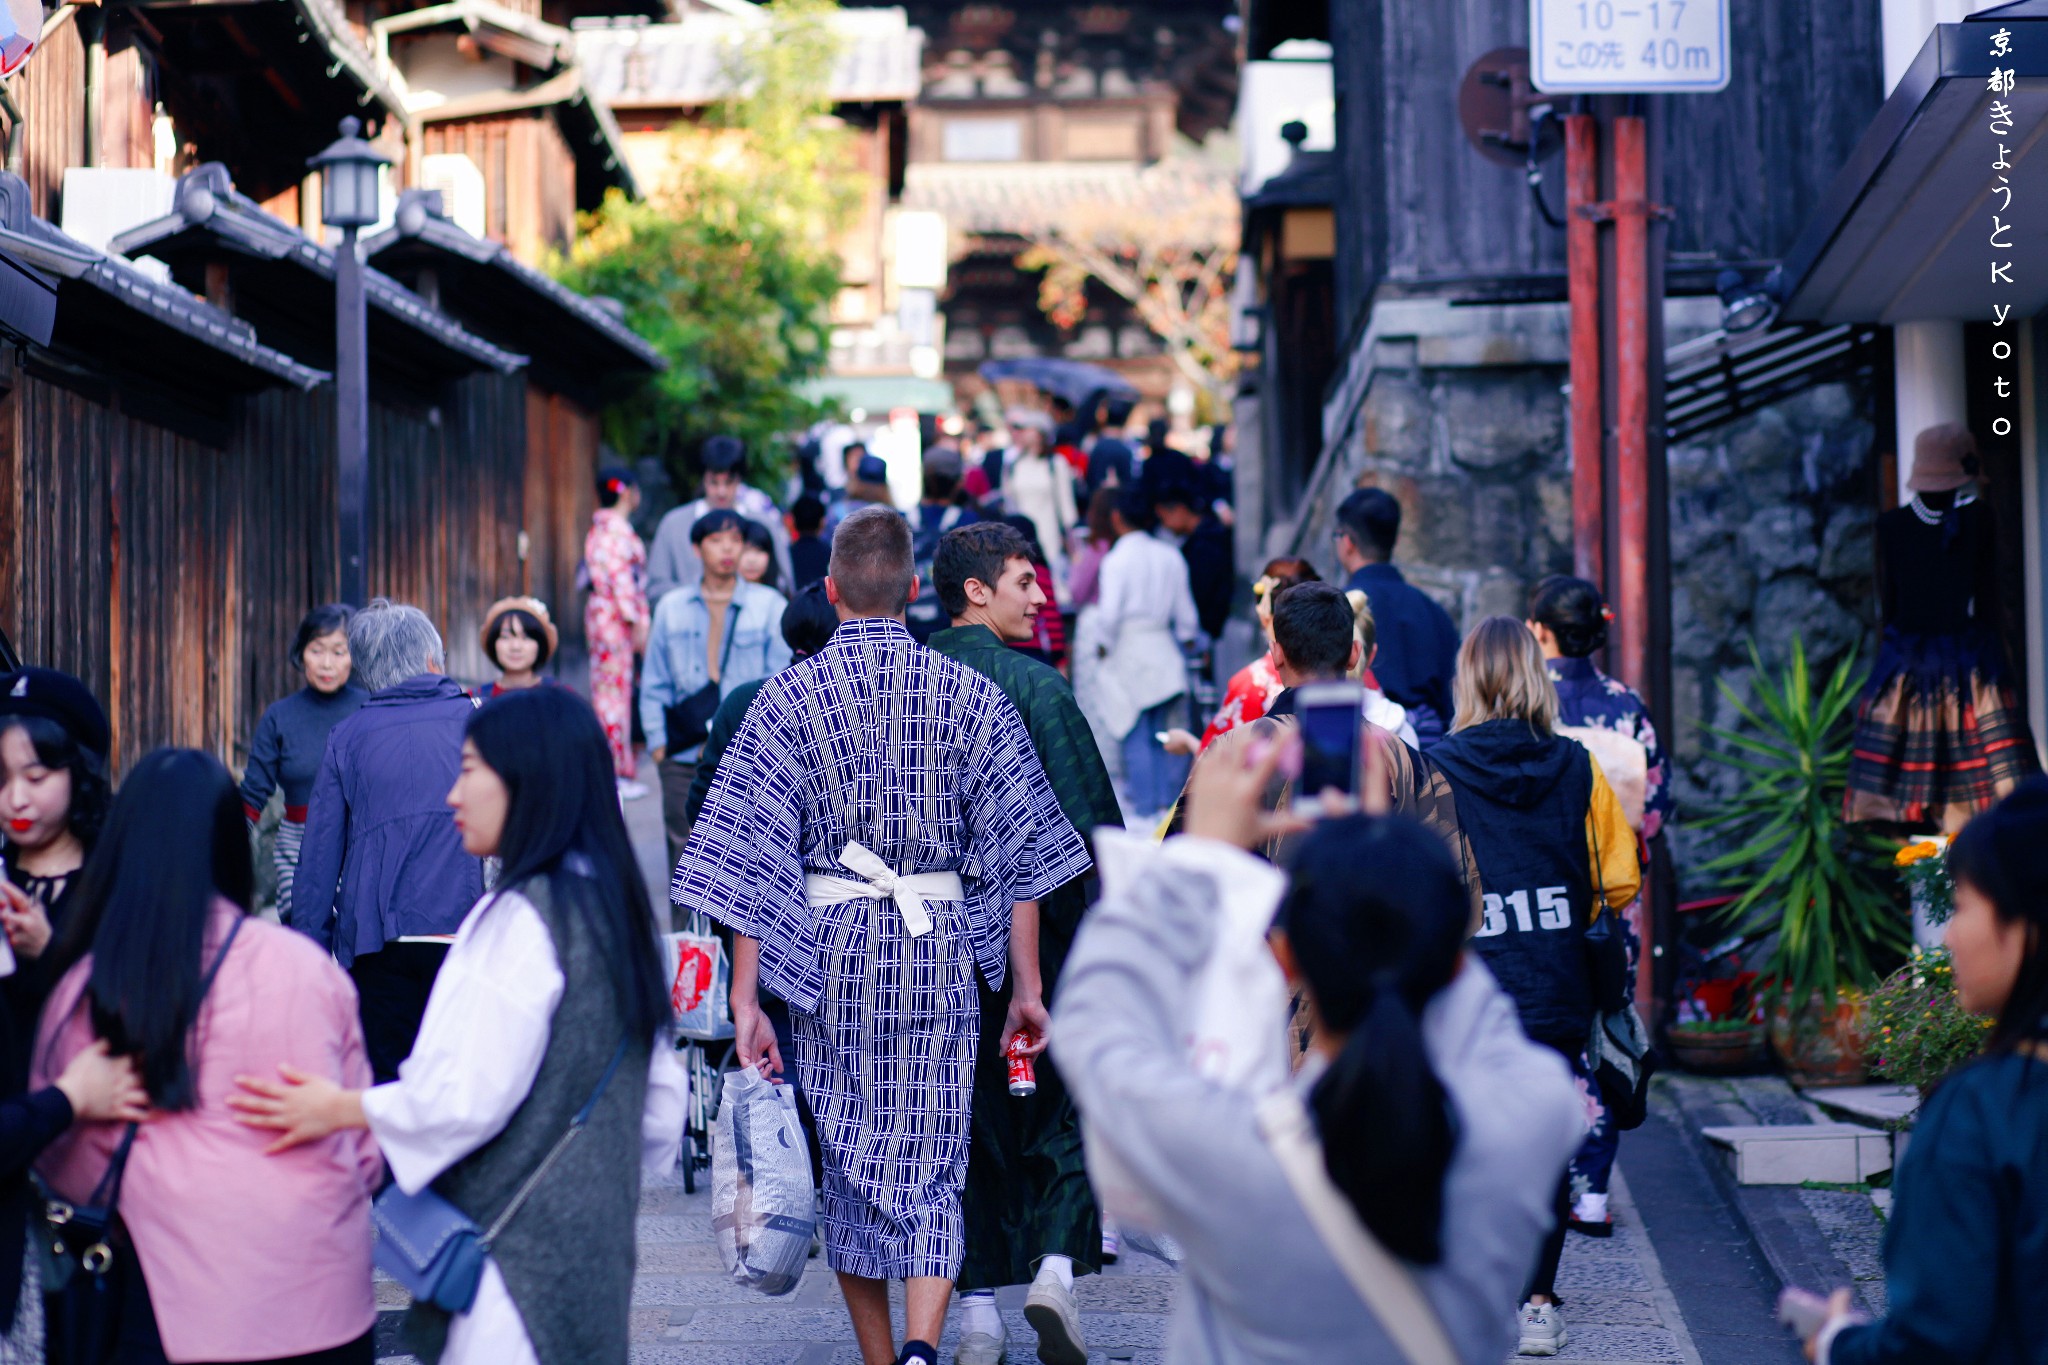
479,1049
1145,579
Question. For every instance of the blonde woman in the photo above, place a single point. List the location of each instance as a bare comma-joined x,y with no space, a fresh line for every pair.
1380,709
1554,853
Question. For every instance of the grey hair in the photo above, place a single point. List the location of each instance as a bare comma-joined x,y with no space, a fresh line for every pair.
389,642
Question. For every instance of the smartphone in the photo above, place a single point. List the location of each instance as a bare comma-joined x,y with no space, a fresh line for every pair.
1329,713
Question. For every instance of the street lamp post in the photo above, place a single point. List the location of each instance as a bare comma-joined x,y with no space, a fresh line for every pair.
349,200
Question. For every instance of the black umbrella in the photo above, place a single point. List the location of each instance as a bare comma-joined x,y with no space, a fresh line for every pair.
1074,380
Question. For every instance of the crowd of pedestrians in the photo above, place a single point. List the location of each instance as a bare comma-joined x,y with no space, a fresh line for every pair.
898,751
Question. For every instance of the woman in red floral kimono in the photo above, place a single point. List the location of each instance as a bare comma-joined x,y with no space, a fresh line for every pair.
615,618
1256,684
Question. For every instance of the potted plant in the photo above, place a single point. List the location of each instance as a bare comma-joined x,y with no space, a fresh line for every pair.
1801,871
1923,867
1717,1047
1919,1031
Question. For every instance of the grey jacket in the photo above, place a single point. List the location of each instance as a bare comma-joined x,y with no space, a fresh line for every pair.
1262,1288
672,560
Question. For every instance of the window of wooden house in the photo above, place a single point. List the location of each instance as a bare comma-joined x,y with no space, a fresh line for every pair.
983,139
1103,138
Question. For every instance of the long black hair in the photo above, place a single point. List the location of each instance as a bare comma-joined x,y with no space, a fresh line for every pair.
91,793
1374,950
2003,853
1573,610
562,824
175,844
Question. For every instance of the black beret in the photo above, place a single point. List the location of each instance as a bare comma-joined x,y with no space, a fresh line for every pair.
58,697
722,453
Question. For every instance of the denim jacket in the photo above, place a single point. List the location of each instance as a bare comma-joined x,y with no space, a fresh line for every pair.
678,662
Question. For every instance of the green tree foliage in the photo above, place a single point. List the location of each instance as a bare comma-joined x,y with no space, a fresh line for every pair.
730,265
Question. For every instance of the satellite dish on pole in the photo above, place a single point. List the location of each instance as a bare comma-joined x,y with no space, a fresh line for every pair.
21,29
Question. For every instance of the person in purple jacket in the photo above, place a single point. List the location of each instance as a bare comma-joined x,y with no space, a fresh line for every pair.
383,879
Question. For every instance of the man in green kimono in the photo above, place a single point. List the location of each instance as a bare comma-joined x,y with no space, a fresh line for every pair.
1030,1214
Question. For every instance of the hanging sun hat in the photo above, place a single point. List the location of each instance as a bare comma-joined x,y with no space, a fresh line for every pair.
533,607
1944,458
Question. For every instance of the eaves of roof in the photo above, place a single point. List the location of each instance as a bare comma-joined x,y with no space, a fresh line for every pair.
49,250
442,235
207,202
684,64
566,90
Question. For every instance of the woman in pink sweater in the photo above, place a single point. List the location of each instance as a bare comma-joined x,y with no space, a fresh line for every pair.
245,1257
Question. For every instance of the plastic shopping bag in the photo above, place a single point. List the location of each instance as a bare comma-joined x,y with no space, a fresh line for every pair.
762,1209
700,986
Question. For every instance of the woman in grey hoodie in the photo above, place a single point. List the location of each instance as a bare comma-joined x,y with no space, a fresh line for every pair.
1441,1124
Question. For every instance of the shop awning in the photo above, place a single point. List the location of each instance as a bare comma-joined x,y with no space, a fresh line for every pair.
1903,232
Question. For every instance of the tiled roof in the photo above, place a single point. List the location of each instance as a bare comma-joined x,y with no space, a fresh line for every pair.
639,65
208,200
1024,197
38,243
420,218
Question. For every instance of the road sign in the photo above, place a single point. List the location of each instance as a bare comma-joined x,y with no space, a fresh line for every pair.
1585,47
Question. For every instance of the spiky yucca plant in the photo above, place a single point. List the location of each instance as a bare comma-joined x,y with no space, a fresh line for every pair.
1801,869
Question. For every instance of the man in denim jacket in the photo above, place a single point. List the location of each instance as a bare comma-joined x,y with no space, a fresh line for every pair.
720,629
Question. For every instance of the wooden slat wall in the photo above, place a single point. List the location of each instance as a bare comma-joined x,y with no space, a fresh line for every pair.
561,473
50,92
170,575
529,177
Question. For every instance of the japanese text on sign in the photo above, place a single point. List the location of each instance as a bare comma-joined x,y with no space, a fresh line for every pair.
1589,46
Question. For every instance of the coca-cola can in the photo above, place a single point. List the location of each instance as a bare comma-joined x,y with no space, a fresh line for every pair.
1023,1072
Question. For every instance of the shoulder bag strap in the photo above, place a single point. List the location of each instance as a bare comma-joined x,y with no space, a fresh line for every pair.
1387,1286
576,1126
117,1168
732,622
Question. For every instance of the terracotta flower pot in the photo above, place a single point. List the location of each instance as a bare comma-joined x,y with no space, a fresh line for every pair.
1819,1045
1717,1052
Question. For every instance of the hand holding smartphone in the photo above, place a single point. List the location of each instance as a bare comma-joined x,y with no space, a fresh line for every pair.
1330,715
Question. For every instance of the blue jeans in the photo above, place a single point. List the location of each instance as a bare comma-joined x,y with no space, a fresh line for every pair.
1152,777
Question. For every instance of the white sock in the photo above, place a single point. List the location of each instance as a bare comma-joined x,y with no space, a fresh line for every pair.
1590,1208
1059,1268
978,1313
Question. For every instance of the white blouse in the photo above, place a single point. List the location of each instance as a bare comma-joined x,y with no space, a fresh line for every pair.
479,1049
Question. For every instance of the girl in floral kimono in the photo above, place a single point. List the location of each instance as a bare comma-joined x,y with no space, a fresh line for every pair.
615,618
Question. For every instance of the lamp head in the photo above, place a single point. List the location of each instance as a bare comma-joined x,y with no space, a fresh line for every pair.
349,185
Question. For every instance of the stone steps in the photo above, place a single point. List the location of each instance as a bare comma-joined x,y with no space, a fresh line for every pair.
1794,1153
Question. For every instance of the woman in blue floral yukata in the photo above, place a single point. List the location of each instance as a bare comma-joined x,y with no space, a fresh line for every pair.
1569,620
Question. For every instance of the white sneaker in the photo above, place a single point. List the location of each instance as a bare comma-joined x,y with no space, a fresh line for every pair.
629,790
1543,1333
1111,1247
1053,1314
979,1348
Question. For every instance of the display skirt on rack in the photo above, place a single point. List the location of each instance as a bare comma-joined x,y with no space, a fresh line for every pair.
1939,733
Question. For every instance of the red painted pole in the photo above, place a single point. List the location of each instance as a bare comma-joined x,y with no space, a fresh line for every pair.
1632,400
1582,261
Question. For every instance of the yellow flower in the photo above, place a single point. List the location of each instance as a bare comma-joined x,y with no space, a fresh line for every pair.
1913,853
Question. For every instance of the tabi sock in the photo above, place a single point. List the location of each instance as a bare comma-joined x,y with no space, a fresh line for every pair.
1590,1208
978,1313
1059,1268
918,1353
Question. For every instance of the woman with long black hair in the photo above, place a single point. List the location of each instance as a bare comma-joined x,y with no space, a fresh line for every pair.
1441,1128
554,980
163,963
1966,1247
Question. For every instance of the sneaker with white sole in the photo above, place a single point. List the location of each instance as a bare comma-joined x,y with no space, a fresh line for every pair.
1542,1330
629,790
979,1348
1111,1247
1053,1314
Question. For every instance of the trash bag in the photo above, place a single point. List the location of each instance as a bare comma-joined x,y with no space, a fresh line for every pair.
762,1206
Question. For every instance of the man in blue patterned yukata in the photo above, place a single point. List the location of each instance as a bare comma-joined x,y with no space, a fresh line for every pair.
880,831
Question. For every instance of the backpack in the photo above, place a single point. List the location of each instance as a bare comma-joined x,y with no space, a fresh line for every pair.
926,617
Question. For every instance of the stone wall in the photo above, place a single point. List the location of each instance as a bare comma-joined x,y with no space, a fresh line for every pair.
1771,515
1771,539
